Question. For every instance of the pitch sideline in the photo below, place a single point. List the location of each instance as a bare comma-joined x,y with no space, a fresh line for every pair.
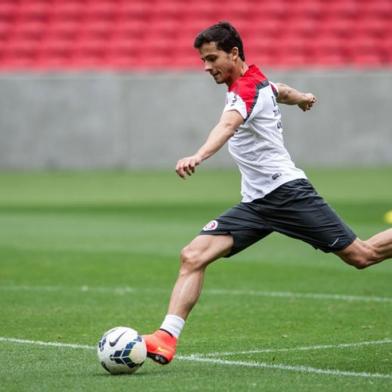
303,348
256,293
218,361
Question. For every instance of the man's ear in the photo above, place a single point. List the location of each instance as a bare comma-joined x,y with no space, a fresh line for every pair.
235,53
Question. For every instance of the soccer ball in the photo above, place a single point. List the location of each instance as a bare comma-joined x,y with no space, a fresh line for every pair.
121,350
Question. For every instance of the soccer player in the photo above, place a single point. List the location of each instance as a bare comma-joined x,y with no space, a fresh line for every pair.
276,195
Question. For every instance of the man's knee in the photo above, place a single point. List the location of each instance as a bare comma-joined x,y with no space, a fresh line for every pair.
191,259
203,250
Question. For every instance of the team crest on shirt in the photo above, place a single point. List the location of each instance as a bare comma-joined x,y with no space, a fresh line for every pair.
212,225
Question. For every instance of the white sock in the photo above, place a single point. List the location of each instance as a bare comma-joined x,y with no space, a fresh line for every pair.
173,324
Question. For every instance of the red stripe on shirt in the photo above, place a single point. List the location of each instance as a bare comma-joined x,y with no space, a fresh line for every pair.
246,86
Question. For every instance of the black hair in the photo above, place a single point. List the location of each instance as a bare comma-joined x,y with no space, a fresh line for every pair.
224,35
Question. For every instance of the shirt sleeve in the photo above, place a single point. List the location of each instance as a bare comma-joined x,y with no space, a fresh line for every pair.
235,102
275,89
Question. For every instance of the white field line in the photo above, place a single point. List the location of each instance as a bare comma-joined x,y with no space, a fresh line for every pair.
302,369
51,344
217,361
294,349
288,294
254,293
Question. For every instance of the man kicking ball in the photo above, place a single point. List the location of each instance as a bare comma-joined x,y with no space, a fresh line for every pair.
276,195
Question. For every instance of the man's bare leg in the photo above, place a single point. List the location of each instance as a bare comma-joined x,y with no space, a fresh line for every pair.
195,257
363,254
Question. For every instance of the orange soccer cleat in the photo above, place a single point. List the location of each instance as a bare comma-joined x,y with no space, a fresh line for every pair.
161,346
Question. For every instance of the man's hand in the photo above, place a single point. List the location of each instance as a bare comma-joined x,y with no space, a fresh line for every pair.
187,166
219,135
308,99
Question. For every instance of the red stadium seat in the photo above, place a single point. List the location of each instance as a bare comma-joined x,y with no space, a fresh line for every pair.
6,28
68,10
376,8
124,46
305,10
367,60
328,60
8,11
133,10
56,47
385,47
64,28
102,10
19,52
129,28
362,45
341,9
338,26
164,10
96,28
35,29
164,28
373,27
327,46
34,10
306,28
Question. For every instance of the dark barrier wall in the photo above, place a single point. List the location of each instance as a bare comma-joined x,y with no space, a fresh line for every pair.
150,120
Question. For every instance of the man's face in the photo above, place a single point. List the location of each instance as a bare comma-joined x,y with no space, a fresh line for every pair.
217,62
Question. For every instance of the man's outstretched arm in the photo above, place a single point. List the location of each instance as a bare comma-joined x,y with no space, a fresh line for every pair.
290,96
219,135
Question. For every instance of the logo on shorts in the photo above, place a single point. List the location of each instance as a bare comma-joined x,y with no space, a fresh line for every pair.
212,225
334,243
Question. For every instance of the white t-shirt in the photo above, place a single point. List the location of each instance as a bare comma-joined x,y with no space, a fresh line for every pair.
257,145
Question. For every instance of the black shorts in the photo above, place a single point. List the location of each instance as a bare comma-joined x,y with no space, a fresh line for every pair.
294,209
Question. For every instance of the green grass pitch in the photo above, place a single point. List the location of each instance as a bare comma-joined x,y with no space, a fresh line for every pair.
83,252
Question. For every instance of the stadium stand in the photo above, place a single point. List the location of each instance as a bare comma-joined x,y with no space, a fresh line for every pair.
158,34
